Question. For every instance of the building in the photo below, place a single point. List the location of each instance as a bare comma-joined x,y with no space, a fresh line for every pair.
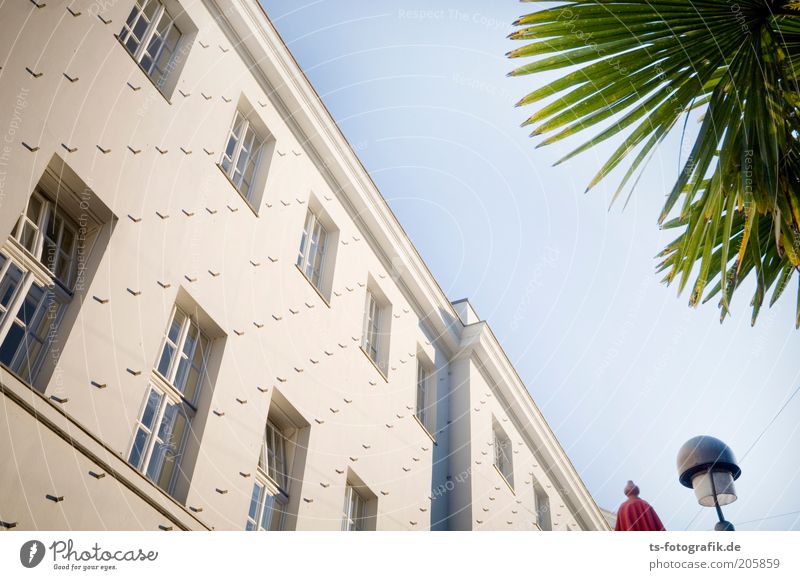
209,316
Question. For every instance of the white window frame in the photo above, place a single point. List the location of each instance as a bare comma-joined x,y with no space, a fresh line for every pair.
142,456
42,240
178,345
542,508
355,511
372,328
426,403
313,246
273,460
266,502
157,74
503,457
36,274
229,162
270,496
157,444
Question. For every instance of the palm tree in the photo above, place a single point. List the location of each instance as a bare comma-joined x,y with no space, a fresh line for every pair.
637,70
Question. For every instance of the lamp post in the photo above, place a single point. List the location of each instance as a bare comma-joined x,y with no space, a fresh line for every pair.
708,466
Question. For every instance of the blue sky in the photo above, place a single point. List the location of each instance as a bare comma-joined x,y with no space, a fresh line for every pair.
622,368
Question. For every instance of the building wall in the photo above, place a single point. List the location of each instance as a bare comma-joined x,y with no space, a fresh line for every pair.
171,227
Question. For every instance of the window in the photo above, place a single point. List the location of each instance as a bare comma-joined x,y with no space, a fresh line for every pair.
170,401
273,455
151,37
355,511
542,507
502,455
271,488
426,400
311,258
372,326
267,509
48,234
37,272
242,154
376,336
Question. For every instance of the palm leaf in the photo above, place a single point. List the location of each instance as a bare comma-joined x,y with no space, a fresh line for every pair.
635,68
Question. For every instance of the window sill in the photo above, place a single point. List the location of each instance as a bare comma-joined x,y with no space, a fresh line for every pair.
246,201
503,477
424,428
374,364
141,68
317,290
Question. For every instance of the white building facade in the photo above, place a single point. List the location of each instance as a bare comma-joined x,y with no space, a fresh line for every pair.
209,316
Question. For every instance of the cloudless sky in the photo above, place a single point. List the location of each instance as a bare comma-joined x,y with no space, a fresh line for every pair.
622,368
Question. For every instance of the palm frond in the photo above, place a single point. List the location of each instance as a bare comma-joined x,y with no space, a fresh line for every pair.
638,66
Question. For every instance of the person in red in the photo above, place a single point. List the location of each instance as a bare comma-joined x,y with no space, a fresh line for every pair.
636,515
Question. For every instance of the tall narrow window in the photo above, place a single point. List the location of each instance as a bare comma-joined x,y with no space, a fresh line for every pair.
426,400
311,258
502,455
355,512
242,155
267,509
170,401
542,507
273,455
372,327
271,487
151,37
37,274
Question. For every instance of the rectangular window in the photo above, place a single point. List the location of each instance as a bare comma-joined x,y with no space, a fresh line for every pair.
50,236
542,507
267,509
270,497
151,37
273,456
502,455
169,405
184,354
372,327
37,272
161,436
311,258
242,154
426,401
355,513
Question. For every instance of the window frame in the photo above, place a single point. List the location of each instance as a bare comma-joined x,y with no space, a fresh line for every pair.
49,211
503,459
149,33
354,502
273,455
234,157
170,395
34,271
271,484
167,397
179,345
425,410
313,225
542,509
372,328
268,497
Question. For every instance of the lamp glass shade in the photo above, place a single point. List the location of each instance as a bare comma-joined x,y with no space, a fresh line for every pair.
723,482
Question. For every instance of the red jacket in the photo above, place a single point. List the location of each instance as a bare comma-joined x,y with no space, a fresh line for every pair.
636,515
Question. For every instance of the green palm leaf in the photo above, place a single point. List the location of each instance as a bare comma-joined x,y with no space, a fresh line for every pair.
637,68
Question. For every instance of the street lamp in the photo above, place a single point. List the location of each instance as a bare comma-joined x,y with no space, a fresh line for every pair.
708,465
